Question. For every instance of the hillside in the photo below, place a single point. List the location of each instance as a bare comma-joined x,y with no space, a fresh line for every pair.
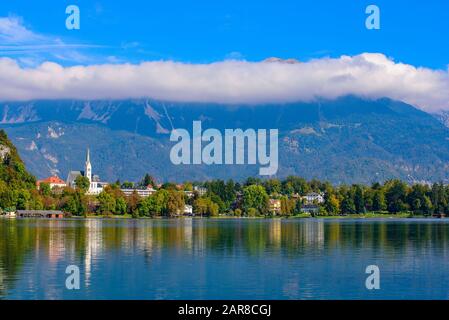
13,174
346,140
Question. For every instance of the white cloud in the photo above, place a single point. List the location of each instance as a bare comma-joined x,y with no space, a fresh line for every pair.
12,30
368,75
32,48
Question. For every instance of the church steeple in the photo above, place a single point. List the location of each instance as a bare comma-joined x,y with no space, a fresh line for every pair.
88,168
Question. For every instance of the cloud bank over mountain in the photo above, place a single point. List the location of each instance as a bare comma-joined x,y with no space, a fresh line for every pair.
370,75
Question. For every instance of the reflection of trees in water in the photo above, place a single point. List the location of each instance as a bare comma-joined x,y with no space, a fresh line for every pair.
51,240
392,236
255,237
14,245
84,241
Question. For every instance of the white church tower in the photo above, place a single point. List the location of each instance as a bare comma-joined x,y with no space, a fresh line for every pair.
88,168
95,186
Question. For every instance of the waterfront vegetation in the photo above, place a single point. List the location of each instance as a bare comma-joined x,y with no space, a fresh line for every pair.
250,198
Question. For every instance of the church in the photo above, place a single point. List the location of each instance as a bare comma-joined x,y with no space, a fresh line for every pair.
95,186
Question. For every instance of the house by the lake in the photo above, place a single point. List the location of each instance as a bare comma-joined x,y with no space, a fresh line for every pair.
53,181
201,190
275,206
188,210
313,198
142,192
310,208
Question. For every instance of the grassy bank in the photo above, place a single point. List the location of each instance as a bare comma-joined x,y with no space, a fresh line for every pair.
369,215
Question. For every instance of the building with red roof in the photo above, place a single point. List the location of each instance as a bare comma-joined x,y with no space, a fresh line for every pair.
53,181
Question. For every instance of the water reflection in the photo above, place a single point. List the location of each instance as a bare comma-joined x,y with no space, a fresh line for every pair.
201,258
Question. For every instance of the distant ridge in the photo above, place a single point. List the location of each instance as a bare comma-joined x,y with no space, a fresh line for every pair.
346,140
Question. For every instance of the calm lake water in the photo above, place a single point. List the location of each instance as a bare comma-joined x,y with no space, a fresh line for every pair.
224,259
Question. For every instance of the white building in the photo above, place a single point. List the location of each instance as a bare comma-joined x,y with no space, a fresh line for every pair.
148,191
53,181
189,194
313,197
188,209
310,208
95,186
201,190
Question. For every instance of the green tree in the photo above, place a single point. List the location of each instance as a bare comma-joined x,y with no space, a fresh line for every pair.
23,199
252,212
359,201
160,202
120,205
12,168
287,205
132,202
368,196
439,198
107,203
229,194
396,196
427,206
273,186
298,206
143,206
148,180
175,202
205,206
82,183
331,204
127,185
347,205
70,206
216,199
45,189
255,196
416,198
287,188
294,184
379,200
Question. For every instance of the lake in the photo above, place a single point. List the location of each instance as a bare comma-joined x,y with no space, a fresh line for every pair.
224,258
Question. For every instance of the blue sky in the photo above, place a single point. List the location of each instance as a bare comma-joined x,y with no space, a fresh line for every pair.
215,51
414,32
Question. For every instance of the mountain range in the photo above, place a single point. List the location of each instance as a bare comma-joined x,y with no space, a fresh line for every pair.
346,140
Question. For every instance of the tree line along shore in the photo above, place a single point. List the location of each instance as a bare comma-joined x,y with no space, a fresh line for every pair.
292,196
254,197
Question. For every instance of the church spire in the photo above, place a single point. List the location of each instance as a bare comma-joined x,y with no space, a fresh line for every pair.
88,167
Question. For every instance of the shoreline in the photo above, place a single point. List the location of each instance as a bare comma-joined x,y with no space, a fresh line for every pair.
367,216
402,215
